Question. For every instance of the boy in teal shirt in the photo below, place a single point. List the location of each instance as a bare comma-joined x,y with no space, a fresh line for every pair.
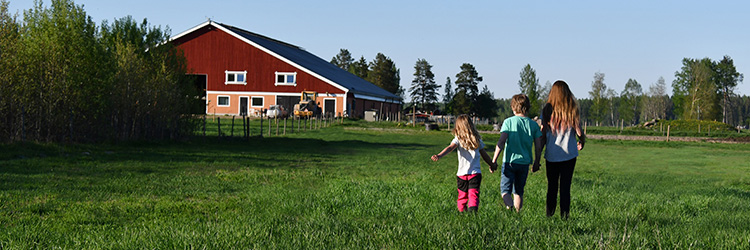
517,135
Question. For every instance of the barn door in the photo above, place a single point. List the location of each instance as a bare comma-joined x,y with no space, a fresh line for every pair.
244,100
330,107
287,102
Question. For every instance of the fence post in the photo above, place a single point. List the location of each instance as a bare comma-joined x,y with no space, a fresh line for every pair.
71,124
231,133
285,118
585,126
218,120
261,124
269,126
276,120
204,125
414,115
668,128
23,124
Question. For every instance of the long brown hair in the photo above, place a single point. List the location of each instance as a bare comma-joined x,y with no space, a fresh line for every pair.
466,132
564,108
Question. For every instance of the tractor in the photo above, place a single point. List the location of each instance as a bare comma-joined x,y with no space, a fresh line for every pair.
307,106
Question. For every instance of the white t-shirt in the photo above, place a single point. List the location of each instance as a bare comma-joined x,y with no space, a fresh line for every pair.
468,160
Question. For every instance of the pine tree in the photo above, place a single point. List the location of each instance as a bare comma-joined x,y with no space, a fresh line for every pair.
467,90
448,91
486,105
384,74
727,79
468,80
423,88
529,85
343,59
360,68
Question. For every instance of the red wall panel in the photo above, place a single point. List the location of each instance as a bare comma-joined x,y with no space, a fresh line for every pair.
212,51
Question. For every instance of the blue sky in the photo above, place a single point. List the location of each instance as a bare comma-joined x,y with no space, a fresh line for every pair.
569,40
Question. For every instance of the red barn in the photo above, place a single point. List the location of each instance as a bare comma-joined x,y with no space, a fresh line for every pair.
245,72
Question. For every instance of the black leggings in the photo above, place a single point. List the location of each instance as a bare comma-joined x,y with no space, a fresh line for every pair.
559,173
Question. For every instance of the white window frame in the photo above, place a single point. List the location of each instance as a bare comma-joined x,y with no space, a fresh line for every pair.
227,73
285,74
229,101
262,99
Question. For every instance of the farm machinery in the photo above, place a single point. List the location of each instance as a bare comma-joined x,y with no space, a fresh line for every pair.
307,106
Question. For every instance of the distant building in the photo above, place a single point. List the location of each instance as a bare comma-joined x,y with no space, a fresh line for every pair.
244,73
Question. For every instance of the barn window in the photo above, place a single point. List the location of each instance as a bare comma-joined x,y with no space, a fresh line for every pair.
256,101
286,78
223,101
235,77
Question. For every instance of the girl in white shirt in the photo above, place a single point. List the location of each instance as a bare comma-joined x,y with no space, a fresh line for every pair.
469,176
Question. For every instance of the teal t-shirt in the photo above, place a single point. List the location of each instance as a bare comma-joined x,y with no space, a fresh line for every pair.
521,134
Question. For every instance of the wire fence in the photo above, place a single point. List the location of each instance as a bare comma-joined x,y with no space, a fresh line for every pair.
263,126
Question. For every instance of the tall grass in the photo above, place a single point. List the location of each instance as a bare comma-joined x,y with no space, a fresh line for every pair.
361,188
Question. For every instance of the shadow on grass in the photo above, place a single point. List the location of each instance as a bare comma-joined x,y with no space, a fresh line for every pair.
23,164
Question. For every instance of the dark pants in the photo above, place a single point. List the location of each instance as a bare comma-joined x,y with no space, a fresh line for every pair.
468,192
559,174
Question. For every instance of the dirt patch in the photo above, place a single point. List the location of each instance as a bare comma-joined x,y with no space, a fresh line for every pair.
671,138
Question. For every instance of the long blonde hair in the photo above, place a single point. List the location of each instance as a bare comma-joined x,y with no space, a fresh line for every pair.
564,113
466,132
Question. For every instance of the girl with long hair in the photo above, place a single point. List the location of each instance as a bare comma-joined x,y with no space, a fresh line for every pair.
561,125
469,176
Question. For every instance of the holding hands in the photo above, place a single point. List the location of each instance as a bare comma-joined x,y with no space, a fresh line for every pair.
493,167
535,167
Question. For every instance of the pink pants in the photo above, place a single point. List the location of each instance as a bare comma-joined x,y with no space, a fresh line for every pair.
468,192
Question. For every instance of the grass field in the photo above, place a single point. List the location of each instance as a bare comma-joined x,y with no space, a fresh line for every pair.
361,188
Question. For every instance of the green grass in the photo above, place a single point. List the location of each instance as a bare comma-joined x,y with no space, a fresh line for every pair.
361,187
685,128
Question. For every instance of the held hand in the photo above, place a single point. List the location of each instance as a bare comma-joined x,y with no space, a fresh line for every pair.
580,145
493,167
535,167
435,157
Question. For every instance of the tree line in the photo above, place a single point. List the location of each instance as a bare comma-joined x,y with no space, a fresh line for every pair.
63,78
465,98
703,89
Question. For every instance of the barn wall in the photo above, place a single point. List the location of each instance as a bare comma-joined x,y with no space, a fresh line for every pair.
212,51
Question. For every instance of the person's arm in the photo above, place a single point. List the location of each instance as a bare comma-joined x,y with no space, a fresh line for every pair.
500,146
445,151
488,160
538,145
581,137
546,117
